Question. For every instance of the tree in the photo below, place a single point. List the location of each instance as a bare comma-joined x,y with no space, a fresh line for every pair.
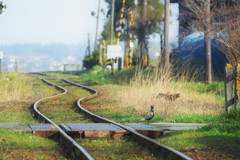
91,60
147,21
219,20
199,12
105,35
118,7
228,33
166,35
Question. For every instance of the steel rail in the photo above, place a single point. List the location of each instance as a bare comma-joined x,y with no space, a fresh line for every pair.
156,147
72,145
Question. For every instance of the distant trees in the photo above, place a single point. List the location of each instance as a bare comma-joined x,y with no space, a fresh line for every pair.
149,16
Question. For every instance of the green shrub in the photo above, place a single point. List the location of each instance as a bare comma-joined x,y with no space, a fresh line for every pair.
91,60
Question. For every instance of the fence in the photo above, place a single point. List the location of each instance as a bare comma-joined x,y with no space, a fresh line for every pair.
232,87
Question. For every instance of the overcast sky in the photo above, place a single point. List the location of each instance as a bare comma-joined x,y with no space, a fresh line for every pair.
48,21
54,21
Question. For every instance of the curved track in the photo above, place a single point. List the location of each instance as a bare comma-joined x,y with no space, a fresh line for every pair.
80,153
69,143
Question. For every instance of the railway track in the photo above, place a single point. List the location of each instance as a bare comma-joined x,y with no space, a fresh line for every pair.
78,151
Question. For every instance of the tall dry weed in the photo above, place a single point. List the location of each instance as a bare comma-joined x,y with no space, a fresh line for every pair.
146,86
14,87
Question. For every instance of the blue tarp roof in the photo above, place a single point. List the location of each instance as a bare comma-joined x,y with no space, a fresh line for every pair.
193,48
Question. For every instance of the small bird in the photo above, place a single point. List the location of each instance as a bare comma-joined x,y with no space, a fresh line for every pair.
149,115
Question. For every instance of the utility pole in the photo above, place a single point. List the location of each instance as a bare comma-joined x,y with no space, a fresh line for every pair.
166,35
96,36
2,8
89,49
208,42
112,21
161,46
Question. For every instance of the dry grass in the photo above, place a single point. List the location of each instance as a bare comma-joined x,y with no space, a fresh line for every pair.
144,88
14,86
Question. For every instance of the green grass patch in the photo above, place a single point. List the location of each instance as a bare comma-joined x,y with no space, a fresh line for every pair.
215,88
221,134
117,150
96,74
22,140
64,109
61,117
228,123
126,117
19,145
231,117
188,140
20,117
192,118
18,110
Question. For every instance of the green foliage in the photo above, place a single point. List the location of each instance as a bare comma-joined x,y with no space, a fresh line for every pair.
91,60
96,74
106,31
232,117
118,6
143,27
154,18
125,75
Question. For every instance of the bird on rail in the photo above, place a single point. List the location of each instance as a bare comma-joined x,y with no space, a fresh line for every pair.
149,115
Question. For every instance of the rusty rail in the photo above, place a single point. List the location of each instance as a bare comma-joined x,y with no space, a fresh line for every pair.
67,141
156,147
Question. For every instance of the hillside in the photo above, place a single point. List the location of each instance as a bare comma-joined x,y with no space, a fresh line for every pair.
37,57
